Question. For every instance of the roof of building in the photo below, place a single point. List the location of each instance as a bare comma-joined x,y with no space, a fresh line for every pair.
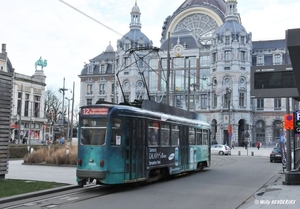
183,37
221,4
218,6
232,26
269,44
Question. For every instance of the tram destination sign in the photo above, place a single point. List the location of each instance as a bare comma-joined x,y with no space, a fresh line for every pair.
94,111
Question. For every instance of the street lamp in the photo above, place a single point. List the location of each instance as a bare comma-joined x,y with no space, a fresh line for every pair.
68,133
228,93
62,90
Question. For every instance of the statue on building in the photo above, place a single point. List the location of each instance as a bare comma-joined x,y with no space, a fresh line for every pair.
41,63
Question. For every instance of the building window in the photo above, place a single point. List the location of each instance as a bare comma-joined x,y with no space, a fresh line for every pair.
101,89
260,60
90,69
89,89
19,103
242,99
26,108
227,40
277,103
113,88
243,56
227,55
126,73
214,57
277,59
37,100
203,101
204,61
214,104
260,104
226,68
242,39
89,101
126,61
102,69
243,68
260,131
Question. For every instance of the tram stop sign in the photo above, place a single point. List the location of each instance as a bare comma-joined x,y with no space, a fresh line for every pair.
297,122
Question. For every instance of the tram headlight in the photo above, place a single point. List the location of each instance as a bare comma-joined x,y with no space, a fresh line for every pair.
101,163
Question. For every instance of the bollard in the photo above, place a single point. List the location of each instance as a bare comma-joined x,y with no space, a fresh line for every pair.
252,153
239,152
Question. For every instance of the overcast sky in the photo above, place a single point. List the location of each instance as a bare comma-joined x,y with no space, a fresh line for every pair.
68,39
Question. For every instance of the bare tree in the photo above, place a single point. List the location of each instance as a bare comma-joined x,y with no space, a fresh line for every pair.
53,104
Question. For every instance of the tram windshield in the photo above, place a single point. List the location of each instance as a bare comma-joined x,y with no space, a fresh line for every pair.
93,131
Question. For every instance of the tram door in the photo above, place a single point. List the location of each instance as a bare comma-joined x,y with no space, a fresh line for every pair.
135,149
184,148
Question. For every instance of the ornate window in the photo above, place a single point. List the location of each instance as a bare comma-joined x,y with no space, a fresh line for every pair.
242,99
201,25
227,55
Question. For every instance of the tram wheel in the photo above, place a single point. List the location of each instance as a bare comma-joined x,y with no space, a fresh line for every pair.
200,166
82,183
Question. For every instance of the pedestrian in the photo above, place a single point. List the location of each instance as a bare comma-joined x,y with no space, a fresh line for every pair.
232,145
246,144
62,140
258,145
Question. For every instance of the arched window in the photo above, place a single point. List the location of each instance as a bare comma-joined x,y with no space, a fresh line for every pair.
260,131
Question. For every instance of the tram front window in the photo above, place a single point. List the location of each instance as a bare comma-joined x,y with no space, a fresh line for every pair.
93,131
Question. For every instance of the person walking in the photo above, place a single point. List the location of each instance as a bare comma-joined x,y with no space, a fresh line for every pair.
258,145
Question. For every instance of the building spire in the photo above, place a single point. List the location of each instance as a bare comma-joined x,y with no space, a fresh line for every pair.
135,17
231,11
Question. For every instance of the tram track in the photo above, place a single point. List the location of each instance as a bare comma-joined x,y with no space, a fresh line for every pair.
59,198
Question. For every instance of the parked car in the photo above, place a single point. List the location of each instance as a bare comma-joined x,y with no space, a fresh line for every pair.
275,155
220,149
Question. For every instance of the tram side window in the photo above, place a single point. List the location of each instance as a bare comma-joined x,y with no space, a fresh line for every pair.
116,131
205,137
199,136
153,133
165,134
175,135
192,136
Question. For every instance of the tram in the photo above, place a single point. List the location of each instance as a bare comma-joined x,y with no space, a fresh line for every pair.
121,143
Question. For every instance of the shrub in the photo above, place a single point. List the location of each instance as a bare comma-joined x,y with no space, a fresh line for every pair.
53,155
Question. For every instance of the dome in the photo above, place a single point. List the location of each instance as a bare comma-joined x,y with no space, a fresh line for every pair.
233,27
136,36
221,4
109,48
135,9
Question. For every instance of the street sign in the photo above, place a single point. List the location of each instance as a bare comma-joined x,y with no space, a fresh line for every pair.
297,122
289,122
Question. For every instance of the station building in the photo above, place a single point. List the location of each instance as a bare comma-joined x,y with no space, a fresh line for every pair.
211,55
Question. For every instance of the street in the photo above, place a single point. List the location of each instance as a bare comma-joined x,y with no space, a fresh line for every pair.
229,182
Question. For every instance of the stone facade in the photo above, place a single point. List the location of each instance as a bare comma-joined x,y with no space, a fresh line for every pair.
211,55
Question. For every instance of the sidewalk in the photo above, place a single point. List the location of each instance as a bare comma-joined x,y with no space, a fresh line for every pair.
275,195
61,174
252,150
